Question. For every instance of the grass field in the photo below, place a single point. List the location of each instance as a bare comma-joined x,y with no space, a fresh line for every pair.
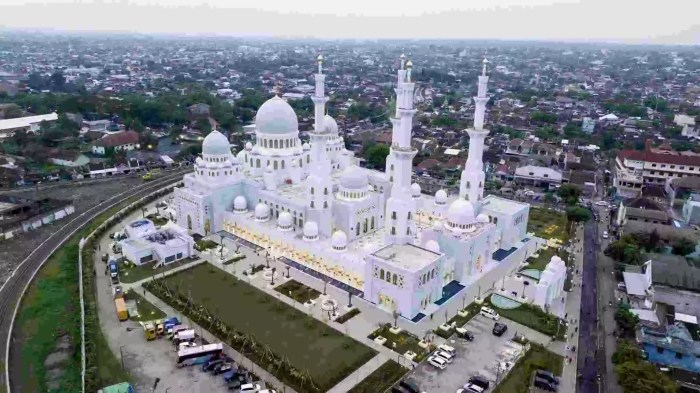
547,224
146,310
459,320
518,379
542,260
381,379
297,291
49,312
307,343
535,318
132,273
404,341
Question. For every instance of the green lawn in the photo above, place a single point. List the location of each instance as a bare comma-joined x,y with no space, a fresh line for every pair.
204,244
542,259
157,221
50,309
404,341
459,320
547,224
348,315
146,310
533,317
313,349
381,379
299,292
518,379
129,273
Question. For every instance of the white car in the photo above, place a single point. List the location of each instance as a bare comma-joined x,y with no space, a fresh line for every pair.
471,388
437,362
605,235
448,349
444,355
489,313
249,387
601,203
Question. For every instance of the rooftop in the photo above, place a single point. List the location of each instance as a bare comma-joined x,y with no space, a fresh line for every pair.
504,205
407,256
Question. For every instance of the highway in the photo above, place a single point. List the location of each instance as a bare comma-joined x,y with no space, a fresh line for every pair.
11,291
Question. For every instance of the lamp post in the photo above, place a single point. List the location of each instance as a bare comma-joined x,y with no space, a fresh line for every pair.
272,280
349,299
121,355
287,267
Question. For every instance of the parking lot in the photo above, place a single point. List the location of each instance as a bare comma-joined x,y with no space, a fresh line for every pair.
480,356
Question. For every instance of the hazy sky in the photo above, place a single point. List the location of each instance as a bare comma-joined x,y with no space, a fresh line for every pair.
643,21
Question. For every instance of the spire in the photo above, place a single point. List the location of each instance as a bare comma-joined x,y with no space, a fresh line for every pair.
409,66
485,63
319,60
403,60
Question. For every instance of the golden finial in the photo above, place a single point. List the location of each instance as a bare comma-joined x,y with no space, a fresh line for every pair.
409,64
319,59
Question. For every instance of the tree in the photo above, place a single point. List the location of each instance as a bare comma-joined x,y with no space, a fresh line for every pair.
12,112
683,246
627,351
626,250
643,377
626,321
578,214
570,194
58,81
376,155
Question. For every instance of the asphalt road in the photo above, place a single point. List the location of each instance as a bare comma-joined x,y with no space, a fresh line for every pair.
588,344
11,291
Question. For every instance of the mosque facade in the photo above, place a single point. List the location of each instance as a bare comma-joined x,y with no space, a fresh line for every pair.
371,233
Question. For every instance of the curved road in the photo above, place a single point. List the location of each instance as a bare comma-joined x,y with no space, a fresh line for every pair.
12,289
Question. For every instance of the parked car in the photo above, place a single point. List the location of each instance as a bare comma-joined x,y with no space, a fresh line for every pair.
601,203
471,388
465,334
222,368
548,376
499,329
448,349
437,362
249,387
544,385
444,355
409,385
489,313
479,381
605,235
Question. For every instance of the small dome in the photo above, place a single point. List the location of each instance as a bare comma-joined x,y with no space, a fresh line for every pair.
310,230
330,125
285,220
461,213
306,146
268,169
275,116
216,143
294,164
415,189
339,240
199,161
437,226
441,197
240,204
432,245
249,146
482,218
354,178
262,212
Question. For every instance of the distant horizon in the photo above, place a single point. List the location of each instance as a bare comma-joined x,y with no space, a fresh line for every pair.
175,35
640,22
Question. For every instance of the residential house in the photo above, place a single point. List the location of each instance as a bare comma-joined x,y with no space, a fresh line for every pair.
691,210
68,158
671,345
125,140
588,125
680,188
537,176
644,210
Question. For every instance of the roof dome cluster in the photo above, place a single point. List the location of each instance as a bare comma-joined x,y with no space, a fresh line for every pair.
216,143
353,178
460,214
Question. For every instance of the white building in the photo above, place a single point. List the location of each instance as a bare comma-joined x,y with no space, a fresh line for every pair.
27,123
146,243
372,233
588,125
551,284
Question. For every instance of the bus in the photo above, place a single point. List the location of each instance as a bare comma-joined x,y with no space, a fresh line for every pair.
195,355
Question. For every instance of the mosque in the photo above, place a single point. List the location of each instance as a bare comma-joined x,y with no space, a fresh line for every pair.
371,233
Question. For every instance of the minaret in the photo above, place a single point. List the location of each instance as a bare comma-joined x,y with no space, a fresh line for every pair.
400,212
471,185
319,182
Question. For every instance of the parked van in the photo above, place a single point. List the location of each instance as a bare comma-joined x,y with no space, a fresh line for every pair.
448,349
489,313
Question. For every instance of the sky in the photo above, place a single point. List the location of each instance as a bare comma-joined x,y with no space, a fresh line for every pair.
628,21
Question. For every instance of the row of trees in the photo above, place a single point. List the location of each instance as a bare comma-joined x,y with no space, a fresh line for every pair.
634,374
628,249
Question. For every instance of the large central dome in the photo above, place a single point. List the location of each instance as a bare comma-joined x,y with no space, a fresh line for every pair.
275,116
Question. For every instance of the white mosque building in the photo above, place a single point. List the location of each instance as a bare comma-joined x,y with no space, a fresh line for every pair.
371,233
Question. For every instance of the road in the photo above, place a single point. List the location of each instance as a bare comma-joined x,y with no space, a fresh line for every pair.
588,329
11,291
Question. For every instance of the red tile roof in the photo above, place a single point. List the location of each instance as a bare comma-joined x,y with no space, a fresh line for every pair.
118,139
661,158
428,164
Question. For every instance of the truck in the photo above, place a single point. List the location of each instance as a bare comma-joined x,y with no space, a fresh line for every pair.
184,336
113,271
175,329
150,331
122,313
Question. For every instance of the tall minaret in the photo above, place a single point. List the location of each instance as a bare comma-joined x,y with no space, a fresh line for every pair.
319,183
400,212
471,185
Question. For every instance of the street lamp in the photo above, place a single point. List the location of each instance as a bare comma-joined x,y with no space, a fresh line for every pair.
121,355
